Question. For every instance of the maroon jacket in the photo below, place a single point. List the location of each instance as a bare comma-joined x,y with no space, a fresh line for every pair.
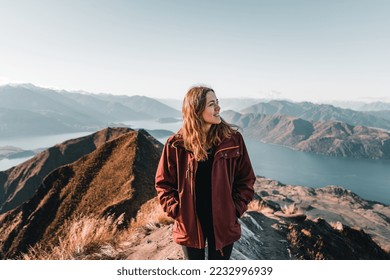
232,190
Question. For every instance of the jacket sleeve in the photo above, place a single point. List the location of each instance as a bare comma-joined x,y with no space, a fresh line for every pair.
243,191
166,182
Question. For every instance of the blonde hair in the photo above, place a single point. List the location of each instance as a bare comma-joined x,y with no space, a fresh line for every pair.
195,139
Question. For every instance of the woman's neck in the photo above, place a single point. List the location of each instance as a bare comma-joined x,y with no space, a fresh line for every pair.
206,128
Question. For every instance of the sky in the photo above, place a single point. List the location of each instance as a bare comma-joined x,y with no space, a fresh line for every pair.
310,50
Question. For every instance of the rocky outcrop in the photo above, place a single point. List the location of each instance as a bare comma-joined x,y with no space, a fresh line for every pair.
320,241
337,206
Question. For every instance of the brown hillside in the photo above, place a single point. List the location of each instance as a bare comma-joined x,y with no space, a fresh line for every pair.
18,184
114,180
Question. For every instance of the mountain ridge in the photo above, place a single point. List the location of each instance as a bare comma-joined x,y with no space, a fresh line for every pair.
332,138
318,112
79,188
19,183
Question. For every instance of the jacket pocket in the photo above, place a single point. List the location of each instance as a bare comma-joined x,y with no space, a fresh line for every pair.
228,159
180,234
172,209
241,207
229,153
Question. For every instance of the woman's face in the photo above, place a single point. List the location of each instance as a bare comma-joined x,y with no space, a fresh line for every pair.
210,115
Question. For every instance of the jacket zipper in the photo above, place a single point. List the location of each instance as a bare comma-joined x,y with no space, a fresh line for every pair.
190,176
221,150
178,177
198,227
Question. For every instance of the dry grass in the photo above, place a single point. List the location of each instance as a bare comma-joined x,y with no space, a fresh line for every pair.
150,213
91,238
290,209
85,238
259,205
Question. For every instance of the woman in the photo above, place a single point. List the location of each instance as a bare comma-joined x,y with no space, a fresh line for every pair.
205,179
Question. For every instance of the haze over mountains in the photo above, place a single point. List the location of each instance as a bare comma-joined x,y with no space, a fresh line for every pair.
322,112
27,110
362,106
235,104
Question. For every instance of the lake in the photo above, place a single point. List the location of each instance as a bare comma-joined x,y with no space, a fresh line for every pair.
365,177
37,142
33,143
368,178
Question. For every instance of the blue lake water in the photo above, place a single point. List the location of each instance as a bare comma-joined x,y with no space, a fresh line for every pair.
370,179
33,143
37,142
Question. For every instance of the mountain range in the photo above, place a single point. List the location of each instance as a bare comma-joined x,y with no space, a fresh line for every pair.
362,105
94,198
332,138
320,112
27,110
235,104
375,106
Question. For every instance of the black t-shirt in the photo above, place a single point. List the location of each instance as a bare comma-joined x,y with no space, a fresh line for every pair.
203,193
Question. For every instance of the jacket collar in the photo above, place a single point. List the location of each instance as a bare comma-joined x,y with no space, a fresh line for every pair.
176,140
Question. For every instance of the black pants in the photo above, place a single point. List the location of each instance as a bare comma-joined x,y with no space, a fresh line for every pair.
212,254
206,222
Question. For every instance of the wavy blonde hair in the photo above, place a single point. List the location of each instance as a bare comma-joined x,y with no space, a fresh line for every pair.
195,139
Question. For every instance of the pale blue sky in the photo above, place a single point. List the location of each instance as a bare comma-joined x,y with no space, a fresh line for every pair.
298,49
